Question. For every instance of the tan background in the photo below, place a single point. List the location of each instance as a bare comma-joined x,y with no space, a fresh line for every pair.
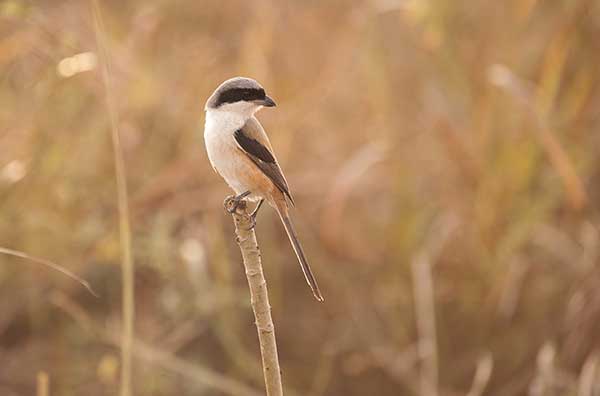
444,156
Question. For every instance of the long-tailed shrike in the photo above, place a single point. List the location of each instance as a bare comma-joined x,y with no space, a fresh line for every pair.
239,150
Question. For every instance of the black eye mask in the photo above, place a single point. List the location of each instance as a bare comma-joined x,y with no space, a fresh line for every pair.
240,94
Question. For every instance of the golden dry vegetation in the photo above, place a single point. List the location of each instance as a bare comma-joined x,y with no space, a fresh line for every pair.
444,156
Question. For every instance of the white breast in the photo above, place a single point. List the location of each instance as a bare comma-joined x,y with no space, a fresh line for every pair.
223,153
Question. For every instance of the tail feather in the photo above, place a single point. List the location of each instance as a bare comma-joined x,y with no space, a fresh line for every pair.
291,232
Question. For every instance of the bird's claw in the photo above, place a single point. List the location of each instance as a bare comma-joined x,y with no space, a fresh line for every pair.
254,214
233,202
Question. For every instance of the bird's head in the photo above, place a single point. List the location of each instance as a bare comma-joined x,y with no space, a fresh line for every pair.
239,95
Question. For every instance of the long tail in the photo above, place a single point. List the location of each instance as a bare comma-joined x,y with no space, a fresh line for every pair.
291,232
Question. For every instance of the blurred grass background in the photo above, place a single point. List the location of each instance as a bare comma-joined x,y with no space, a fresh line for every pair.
444,156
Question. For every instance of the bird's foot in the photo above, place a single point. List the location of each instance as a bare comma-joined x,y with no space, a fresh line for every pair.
233,202
254,213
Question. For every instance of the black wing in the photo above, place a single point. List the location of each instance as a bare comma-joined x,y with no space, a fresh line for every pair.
262,157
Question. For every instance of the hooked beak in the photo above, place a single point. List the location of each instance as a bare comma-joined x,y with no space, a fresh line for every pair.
267,102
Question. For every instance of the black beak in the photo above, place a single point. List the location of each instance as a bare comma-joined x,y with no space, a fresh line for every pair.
267,102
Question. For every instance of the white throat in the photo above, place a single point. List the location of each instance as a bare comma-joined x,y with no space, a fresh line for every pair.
230,117
224,121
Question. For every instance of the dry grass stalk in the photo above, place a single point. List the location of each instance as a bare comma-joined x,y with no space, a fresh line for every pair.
422,273
43,384
259,297
544,380
124,226
482,376
588,377
521,91
49,264
425,315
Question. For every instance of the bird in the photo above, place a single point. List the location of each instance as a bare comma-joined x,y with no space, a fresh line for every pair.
239,150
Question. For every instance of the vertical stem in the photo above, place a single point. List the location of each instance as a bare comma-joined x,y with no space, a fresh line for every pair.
425,315
589,376
43,384
127,267
422,266
483,373
259,297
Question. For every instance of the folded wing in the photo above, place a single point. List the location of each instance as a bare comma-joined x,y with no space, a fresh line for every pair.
253,142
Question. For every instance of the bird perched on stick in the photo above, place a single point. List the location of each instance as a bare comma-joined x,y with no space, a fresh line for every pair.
239,150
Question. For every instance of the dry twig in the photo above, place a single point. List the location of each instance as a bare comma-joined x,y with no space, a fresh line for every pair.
43,384
483,373
127,267
259,297
50,264
422,272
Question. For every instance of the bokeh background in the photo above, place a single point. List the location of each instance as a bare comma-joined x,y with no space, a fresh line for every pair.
444,157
